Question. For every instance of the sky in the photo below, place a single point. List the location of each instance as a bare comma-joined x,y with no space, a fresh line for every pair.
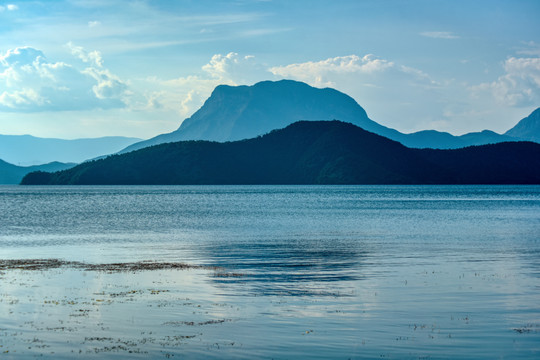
90,68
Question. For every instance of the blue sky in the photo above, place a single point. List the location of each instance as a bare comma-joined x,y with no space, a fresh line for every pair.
87,68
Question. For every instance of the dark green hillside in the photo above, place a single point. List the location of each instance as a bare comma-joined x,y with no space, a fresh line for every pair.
502,163
306,152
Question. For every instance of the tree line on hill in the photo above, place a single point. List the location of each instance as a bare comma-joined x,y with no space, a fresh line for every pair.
307,152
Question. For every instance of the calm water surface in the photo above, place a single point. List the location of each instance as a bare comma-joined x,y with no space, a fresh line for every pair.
393,272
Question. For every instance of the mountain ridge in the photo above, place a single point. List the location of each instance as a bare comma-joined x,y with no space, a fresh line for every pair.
13,174
241,112
528,128
307,152
28,150
238,112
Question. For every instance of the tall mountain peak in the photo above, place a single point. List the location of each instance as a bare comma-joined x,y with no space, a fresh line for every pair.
241,112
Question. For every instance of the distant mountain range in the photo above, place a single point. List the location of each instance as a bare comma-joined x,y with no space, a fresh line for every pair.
24,150
307,152
240,112
12,174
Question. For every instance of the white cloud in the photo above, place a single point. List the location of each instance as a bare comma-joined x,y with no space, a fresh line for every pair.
519,86
321,73
439,35
31,83
107,85
8,7
191,98
93,57
21,98
395,95
92,24
219,64
185,95
243,69
367,71
409,99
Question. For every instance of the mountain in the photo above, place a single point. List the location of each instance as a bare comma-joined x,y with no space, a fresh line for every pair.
528,128
13,174
30,150
241,112
442,140
307,152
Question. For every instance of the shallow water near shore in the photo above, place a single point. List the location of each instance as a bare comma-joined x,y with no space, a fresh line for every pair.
284,272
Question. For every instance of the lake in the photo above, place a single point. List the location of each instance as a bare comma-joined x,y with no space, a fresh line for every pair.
283,272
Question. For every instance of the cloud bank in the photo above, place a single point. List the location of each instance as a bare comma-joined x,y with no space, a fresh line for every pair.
393,94
368,70
31,83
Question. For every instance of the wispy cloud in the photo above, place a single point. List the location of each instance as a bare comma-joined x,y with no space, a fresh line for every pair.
137,26
529,48
439,35
209,20
262,32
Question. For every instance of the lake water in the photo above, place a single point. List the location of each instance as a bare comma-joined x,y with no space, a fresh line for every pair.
284,272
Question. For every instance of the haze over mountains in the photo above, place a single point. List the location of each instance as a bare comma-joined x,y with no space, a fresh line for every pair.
307,152
240,112
12,174
26,150
21,154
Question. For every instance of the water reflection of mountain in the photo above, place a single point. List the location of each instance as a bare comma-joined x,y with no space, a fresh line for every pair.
295,268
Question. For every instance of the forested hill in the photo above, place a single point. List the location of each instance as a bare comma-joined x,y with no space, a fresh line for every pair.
307,152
